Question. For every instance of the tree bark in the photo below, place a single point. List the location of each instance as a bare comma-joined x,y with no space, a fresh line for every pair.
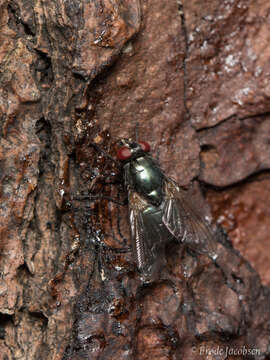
76,76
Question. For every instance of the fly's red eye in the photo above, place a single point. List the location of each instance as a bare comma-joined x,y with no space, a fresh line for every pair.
123,153
145,146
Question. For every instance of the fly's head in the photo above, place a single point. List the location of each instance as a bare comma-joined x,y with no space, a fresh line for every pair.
130,150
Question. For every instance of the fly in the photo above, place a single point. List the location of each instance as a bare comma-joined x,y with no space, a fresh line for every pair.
158,209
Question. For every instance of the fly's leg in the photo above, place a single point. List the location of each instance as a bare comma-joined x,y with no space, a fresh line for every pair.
101,197
96,236
118,203
96,147
101,245
88,199
118,223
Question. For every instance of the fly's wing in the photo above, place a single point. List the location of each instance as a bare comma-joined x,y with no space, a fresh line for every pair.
185,224
140,240
147,232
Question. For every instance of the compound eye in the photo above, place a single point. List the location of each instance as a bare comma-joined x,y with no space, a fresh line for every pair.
145,146
123,153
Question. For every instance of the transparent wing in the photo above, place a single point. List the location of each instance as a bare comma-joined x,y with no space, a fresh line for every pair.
141,242
148,233
184,222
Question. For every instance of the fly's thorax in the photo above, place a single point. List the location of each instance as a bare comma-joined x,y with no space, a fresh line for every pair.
145,177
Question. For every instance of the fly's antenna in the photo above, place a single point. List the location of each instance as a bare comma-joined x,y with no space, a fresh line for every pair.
137,132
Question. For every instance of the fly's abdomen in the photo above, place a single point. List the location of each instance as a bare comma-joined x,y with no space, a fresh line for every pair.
155,227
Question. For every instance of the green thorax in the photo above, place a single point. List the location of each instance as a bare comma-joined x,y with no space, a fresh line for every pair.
145,177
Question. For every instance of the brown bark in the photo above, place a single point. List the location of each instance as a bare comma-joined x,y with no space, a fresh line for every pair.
194,77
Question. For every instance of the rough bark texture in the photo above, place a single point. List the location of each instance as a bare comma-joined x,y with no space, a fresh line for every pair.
194,77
